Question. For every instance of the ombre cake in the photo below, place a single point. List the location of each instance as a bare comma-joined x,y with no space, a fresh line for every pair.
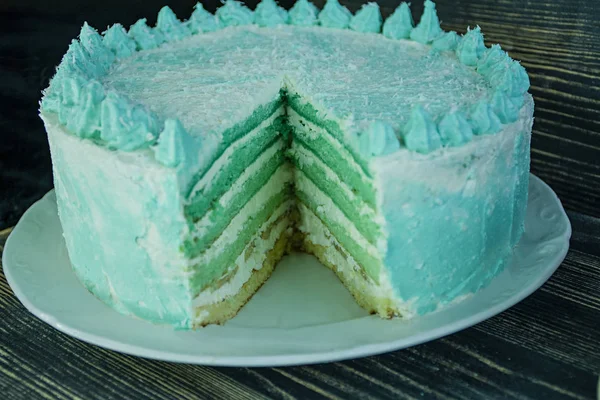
189,157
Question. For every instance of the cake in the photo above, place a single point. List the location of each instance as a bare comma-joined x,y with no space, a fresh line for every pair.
189,157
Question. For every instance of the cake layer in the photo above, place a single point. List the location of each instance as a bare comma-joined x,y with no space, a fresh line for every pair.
211,264
207,229
343,229
228,167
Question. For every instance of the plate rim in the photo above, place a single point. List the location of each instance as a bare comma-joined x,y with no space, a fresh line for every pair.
276,360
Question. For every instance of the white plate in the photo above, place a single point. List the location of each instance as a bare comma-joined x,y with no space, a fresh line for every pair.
301,315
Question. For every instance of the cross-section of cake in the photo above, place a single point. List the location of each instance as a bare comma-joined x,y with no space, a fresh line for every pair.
189,157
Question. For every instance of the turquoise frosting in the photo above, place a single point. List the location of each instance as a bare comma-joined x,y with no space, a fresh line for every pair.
334,15
202,21
494,59
399,24
234,13
303,13
471,47
117,40
92,42
378,139
420,133
168,24
85,118
513,80
172,144
429,26
446,42
145,37
78,59
268,13
455,130
504,108
367,19
126,127
69,95
484,120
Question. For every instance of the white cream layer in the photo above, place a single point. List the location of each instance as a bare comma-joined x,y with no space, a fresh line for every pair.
245,267
205,183
278,180
327,207
206,222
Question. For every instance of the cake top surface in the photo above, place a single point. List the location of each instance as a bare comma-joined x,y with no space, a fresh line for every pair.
214,80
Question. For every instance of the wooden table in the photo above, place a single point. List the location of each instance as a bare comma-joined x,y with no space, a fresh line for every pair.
546,347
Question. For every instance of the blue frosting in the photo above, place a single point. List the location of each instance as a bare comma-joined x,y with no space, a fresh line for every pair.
420,133
173,143
494,59
70,94
367,19
378,139
234,13
399,24
455,130
471,47
447,41
484,120
512,80
116,39
92,42
126,127
78,60
429,26
268,13
202,21
145,37
334,15
504,108
303,13
84,120
168,24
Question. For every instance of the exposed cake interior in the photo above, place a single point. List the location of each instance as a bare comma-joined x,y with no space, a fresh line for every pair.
284,182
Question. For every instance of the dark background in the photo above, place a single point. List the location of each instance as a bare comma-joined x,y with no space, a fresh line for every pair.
546,347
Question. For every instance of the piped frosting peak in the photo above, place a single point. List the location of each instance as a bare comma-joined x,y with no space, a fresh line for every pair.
367,19
84,120
420,133
171,27
92,42
379,139
447,41
234,13
504,108
334,15
492,60
429,26
145,37
513,80
116,39
268,13
455,129
484,120
124,126
399,24
471,47
303,13
202,21
172,144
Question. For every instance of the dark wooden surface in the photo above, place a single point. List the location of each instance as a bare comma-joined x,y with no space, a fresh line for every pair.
546,347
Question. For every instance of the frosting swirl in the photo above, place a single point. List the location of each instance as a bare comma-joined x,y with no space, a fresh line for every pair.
116,39
493,60
484,120
202,21
446,42
92,43
303,13
420,133
429,26
504,108
367,19
168,24
234,13
455,130
378,139
399,24
471,47
145,37
172,144
268,13
85,117
334,15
